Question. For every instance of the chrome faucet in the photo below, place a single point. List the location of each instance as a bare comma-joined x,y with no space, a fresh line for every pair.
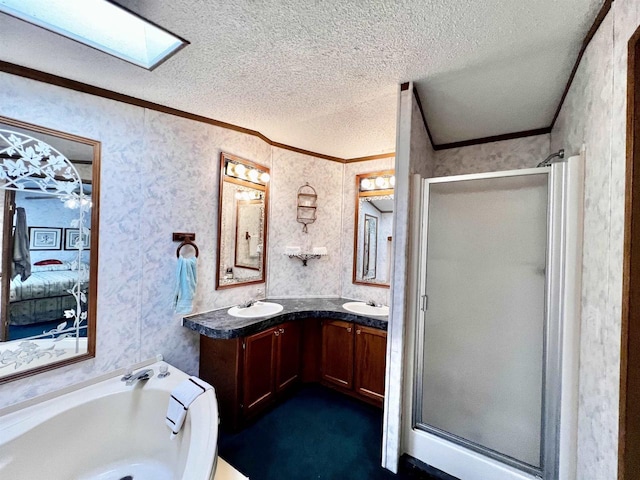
141,375
247,304
371,303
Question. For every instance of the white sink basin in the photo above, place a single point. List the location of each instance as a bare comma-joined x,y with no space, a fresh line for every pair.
363,309
258,309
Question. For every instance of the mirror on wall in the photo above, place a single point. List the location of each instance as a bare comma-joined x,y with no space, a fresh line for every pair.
373,228
242,222
49,186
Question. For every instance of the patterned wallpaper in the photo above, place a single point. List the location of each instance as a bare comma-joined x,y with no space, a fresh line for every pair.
159,175
414,156
349,289
513,154
594,113
287,276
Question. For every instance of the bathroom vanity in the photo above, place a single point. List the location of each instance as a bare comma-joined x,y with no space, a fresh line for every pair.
255,362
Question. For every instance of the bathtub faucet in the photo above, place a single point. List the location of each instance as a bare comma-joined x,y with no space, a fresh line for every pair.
144,374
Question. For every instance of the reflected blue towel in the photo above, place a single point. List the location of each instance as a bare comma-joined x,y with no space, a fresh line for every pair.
186,280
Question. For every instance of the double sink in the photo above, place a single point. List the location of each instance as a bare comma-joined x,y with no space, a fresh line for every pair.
264,309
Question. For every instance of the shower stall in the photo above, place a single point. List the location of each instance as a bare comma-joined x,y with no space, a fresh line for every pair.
494,362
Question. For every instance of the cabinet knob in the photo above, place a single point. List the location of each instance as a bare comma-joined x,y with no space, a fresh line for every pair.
276,333
282,330
358,331
349,329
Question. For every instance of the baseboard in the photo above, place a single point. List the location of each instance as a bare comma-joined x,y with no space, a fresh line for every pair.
415,469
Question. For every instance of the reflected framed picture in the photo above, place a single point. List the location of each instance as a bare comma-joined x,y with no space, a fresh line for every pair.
71,236
45,238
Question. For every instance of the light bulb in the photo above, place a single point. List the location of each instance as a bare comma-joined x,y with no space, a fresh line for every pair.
366,184
240,170
253,175
71,203
392,180
230,169
265,177
380,182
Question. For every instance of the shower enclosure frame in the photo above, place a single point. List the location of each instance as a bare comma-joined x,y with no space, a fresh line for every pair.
560,295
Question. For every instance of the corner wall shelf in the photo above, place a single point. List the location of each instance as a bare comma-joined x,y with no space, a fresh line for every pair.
305,256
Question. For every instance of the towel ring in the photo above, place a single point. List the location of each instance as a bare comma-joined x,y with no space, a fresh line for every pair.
187,242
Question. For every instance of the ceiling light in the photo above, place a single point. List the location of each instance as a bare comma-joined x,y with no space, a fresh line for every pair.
100,24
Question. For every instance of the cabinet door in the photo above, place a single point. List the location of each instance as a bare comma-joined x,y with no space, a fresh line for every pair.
337,353
258,384
370,361
288,355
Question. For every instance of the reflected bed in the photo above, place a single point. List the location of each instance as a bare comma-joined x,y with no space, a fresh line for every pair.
44,296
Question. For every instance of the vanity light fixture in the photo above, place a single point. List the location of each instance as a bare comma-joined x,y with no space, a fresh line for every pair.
103,25
73,202
375,183
246,195
245,173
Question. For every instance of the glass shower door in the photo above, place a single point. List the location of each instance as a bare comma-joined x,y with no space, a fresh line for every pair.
481,348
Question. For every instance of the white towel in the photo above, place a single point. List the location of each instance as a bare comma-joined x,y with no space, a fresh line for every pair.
181,397
254,241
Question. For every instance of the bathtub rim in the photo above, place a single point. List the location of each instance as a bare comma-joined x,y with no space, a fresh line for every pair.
27,415
76,386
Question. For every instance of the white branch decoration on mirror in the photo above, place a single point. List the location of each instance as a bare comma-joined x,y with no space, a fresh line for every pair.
29,162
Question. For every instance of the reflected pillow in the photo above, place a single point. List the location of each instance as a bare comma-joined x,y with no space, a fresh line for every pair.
51,261
51,268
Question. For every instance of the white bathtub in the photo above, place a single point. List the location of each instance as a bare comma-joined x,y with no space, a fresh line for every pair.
110,431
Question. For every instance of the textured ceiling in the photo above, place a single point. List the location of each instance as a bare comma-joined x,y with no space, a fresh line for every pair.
323,76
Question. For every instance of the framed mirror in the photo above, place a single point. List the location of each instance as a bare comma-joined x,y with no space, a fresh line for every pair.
49,186
373,228
242,222
370,247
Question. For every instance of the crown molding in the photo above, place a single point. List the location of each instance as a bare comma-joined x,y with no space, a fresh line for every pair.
40,76
604,10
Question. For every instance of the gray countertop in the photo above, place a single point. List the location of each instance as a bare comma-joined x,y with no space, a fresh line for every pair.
219,324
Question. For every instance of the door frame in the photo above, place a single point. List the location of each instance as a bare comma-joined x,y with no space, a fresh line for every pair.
451,450
566,191
629,427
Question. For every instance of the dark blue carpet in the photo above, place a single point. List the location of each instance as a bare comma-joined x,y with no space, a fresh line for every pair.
24,331
317,434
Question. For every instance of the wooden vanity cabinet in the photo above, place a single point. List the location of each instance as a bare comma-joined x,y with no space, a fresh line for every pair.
249,373
259,371
337,353
354,359
288,368
370,363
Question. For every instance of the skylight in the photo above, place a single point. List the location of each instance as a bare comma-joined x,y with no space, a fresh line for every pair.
102,25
